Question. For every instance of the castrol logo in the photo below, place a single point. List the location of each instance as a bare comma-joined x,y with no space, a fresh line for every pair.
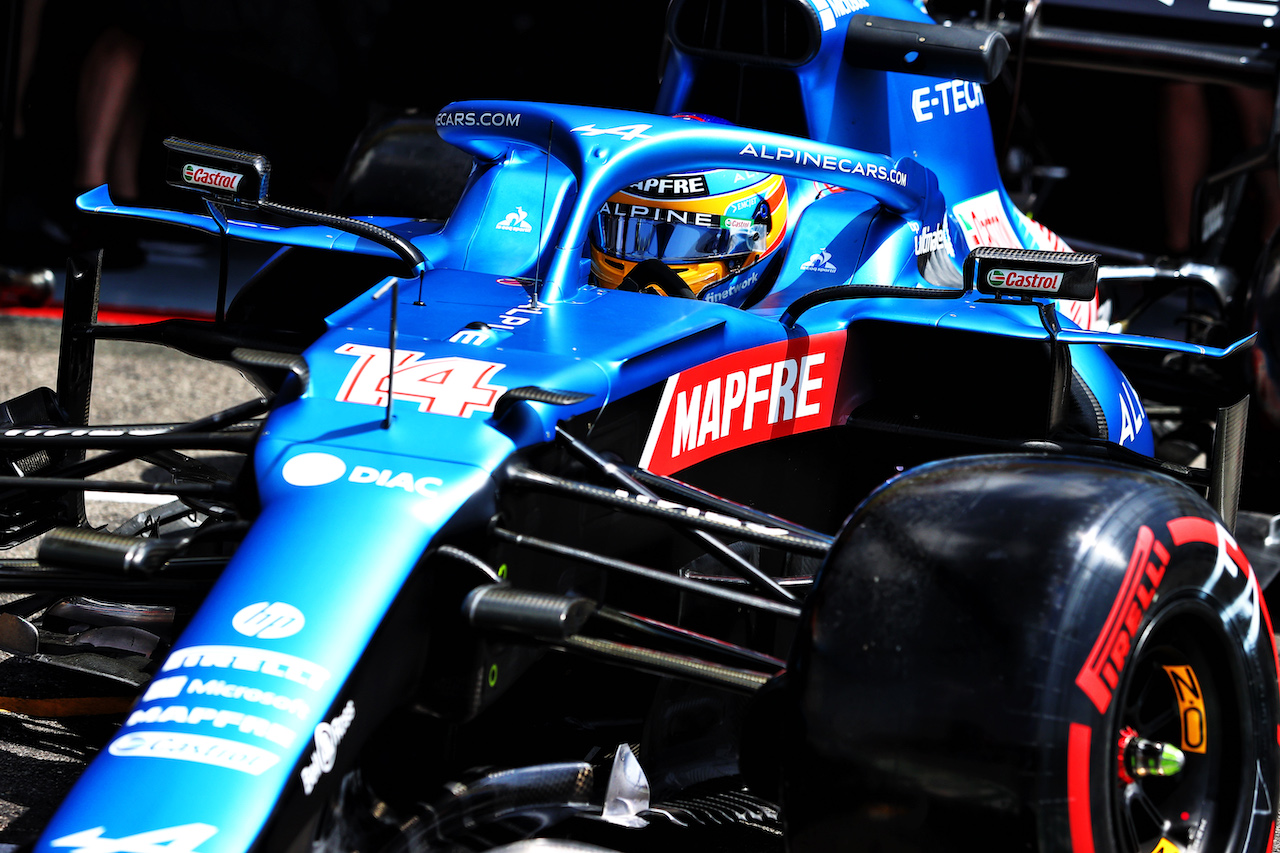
1040,282
215,178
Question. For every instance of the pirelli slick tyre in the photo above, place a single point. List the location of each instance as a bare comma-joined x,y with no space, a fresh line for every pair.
1031,653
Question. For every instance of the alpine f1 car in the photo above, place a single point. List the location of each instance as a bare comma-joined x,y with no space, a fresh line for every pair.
691,486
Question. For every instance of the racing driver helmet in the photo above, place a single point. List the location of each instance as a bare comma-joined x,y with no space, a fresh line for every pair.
713,229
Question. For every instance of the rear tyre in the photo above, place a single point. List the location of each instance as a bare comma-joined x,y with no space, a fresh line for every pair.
993,644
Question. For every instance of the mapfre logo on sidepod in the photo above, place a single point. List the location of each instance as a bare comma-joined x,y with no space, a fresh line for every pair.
747,397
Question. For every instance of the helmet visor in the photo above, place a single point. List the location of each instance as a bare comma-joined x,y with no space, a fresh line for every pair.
673,236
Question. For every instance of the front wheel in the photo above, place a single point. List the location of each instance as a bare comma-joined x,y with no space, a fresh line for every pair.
1043,653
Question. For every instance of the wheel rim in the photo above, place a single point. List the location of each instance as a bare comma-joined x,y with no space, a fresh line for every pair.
1185,687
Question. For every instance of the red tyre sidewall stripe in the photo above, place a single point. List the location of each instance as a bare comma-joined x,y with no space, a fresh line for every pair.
1195,529
1078,811
1271,634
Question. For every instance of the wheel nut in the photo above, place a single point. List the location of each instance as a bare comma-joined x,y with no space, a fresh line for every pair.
1142,757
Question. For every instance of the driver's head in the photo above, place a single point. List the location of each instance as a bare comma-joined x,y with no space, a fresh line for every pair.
711,228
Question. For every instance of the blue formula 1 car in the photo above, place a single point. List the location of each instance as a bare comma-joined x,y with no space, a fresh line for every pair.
692,486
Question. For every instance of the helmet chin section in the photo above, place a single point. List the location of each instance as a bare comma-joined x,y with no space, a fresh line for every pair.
610,272
699,276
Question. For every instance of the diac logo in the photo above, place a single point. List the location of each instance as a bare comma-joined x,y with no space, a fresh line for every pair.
313,469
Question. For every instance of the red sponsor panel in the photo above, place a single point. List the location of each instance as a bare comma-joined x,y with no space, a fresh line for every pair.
1101,671
747,397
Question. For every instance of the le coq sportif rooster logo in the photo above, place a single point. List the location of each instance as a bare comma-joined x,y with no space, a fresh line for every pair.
516,221
819,261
